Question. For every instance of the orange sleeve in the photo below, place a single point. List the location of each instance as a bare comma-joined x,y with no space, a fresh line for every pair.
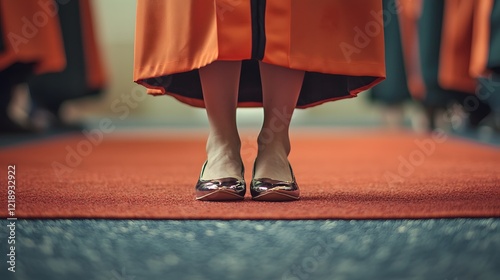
96,74
456,45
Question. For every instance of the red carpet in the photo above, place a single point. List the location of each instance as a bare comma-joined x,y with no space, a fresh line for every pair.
346,175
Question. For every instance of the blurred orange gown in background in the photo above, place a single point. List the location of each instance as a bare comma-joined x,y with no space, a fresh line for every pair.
31,34
464,48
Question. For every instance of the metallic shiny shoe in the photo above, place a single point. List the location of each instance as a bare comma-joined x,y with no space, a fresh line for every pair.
223,189
266,189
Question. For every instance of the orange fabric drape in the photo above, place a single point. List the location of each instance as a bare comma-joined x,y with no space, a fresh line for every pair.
96,75
408,19
32,34
481,38
179,36
456,43
325,36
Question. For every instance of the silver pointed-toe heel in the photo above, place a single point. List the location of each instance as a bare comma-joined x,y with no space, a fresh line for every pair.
266,189
222,189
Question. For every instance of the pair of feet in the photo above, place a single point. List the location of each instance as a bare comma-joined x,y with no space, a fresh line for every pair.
222,176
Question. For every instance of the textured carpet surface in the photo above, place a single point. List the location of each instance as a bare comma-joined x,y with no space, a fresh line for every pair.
346,175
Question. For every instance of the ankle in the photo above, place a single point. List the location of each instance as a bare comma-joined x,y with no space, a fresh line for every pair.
223,154
228,143
272,165
232,158
280,144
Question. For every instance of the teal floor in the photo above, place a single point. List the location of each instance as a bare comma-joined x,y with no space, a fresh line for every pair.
449,249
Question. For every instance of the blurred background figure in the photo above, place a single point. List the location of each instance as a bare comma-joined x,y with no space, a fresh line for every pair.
392,94
84,73
48,55
486,60
30,45
441,53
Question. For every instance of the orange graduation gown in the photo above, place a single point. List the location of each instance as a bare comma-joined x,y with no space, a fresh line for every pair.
338,43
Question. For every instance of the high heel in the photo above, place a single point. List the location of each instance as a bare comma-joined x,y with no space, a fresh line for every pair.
222,189
266,189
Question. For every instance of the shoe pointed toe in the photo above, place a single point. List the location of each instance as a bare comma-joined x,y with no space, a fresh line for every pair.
222,189
266,189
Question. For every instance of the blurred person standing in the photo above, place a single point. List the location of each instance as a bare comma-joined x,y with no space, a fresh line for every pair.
31,44
437,39
51,46
392,94
485,61
84,74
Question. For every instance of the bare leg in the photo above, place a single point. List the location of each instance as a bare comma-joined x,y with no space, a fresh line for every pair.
220,82
281,88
